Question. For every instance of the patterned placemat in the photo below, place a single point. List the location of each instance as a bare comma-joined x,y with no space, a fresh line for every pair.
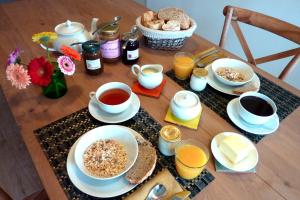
57,138
286,102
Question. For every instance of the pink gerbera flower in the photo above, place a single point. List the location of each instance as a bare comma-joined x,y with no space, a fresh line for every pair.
18,76
66,65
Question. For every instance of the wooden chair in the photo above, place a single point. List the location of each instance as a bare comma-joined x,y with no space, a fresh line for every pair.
276,26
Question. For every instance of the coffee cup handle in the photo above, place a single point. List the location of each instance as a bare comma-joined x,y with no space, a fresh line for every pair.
134,67
92,95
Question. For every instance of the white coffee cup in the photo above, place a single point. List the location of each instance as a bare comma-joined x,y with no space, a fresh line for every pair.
149,76
112,108
252,118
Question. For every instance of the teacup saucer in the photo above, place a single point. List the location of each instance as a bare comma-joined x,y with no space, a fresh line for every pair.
103,116
263,129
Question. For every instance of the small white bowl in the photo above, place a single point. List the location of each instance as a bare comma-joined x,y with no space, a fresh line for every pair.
185,105
121,134
253,118
237,65
113,109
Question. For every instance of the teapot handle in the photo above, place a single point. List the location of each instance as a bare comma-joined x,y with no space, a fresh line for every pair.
49,49
133,69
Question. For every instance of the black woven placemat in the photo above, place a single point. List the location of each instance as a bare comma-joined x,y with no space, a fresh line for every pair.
57,138
286,102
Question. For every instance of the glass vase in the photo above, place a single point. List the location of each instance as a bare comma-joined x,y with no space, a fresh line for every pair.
58,86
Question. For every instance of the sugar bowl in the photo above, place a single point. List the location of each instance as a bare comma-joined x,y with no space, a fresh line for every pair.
185,105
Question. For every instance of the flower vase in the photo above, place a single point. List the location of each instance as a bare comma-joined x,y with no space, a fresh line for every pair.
58,86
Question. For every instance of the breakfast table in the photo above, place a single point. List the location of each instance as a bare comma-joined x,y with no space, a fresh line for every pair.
277,173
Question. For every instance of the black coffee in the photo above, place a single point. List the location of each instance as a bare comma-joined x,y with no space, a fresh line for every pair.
257,106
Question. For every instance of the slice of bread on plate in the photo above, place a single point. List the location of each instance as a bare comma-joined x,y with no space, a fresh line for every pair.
144,165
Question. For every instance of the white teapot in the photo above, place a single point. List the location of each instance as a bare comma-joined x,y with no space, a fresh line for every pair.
72,32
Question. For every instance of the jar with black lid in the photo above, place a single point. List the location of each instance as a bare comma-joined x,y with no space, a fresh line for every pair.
130,48
92,57
110,39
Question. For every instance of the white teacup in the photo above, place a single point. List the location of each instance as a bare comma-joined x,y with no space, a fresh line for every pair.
112,97
149,76
251,117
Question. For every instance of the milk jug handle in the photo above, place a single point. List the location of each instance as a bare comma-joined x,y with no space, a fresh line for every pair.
133,69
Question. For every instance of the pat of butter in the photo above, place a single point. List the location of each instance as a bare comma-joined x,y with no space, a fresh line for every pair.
234,148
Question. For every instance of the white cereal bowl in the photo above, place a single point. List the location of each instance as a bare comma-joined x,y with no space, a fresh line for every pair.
185,105
121,134
113,109
252,118
238,65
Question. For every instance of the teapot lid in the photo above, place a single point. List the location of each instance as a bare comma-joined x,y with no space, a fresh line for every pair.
186,99
69,28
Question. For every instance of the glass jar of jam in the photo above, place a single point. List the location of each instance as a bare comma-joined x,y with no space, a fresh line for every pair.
130,48
110,48
92,57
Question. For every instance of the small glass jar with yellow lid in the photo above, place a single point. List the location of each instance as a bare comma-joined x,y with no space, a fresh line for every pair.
169,137
110,47
199,79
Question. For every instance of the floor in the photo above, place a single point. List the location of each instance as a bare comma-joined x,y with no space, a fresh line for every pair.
18,176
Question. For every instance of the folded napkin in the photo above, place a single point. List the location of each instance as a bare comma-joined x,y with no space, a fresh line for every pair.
192,124
164,177
205,60
155,92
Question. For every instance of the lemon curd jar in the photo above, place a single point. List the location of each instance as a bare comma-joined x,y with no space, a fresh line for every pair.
190,158
110,49
169,137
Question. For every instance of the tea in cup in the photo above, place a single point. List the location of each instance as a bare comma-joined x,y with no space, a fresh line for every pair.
112,97
183,65
149,76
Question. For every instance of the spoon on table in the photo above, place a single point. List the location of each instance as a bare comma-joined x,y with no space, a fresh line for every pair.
157,192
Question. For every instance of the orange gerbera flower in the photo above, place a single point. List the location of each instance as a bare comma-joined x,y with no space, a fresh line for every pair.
70,52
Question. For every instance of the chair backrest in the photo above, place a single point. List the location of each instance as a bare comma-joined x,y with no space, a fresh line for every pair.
276,26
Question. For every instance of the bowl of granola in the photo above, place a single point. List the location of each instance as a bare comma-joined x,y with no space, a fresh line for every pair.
106,152
232,72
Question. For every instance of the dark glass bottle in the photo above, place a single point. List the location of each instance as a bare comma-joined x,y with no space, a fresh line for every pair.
130,49
92,57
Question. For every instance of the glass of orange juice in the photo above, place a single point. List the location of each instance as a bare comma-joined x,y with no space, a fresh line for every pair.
190,158
183,65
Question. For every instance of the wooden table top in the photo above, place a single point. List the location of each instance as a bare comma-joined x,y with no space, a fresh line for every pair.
278,171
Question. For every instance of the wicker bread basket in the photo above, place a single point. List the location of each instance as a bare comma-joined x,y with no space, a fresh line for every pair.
165,40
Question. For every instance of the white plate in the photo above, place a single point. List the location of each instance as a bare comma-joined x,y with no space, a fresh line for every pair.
96,188
248,163
103,116
263,129
217,85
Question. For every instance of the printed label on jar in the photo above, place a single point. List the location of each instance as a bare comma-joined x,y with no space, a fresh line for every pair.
132,55
93,64
110,49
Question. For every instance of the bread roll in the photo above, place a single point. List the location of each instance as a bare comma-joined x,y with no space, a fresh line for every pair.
147,17
172,25
156,24
175,14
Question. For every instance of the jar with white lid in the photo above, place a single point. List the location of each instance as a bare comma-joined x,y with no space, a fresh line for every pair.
199,79
185,105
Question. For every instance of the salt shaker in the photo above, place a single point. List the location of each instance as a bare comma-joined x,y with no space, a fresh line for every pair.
199,79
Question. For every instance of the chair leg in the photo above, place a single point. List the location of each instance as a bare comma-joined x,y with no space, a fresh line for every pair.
289,67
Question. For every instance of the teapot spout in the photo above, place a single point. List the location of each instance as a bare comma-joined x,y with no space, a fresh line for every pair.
93,28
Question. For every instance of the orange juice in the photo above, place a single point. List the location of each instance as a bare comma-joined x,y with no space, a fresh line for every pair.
190,160
183,65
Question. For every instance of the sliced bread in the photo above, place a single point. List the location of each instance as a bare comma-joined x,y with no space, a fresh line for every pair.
172,25
155,24
144,165
175,14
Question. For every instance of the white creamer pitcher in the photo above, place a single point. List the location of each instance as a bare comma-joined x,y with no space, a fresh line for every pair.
149,76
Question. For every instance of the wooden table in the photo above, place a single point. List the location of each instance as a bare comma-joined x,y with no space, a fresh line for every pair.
278,171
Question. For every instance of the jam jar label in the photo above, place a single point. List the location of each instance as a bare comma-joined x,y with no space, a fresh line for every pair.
132,55
110,49
93,64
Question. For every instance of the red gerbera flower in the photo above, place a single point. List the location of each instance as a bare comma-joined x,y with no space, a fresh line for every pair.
40,71
70,52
